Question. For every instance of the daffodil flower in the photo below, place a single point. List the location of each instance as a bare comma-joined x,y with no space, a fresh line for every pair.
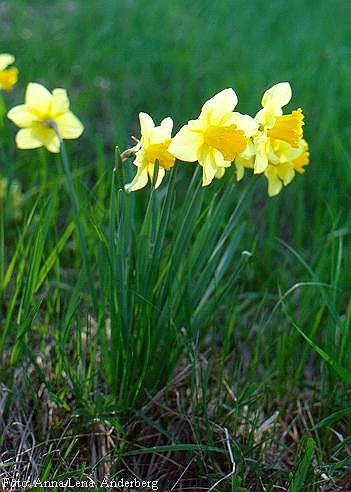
44,119
8,76
216,137
289,160
152,147
284,161
274,126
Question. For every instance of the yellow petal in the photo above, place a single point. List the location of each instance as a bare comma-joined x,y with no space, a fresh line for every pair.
60,102
185,145
239,171
48,138
38,99
274,183
245,123
146,126
161,133
261,153
32,138
22,116
285,151
69,126
160,174
27,139
286,173
8,78
248,153
167,126
220,173
211,161
277,96
140,180
216,108
303,158
244,160
6,60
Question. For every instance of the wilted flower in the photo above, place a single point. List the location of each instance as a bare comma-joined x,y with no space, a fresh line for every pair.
216,138
152,147
44,119
8,76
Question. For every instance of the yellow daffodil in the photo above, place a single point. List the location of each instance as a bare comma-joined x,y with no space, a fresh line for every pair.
152,147
44,119
289,160
216,137
284,161
8,76
274,126
278,148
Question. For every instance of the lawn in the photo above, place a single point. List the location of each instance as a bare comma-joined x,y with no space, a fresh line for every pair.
188,337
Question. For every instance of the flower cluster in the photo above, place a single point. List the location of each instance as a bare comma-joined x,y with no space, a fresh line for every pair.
270,143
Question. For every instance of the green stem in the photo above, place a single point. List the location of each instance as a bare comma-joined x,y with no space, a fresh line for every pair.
81,238
3,128
43,169
2,250
2,111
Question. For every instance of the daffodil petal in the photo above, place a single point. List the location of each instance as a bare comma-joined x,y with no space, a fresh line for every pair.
248,153
140,180
261,158
277,96
220,173
38,98
32,138
239,171
6,60
210,160
167,126
242,161
161,133
60,102
286,172
274,183
8,78
245,123
220,104
146,126
160,174
27,139
22,116
69,126
48,137
185,145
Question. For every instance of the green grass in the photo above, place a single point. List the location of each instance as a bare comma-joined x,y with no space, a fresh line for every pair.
137,334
